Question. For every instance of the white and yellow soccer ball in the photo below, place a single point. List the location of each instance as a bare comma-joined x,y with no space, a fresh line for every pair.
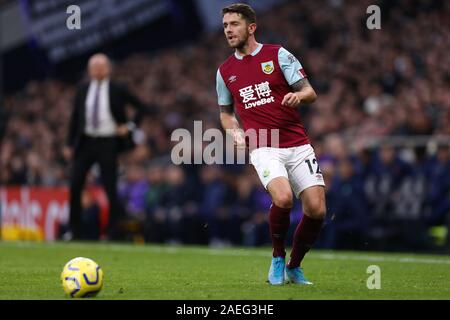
81,278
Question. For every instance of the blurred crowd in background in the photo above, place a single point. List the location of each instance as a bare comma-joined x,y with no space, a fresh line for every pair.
370,84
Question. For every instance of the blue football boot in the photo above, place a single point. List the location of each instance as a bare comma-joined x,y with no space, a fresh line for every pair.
295,275
276,271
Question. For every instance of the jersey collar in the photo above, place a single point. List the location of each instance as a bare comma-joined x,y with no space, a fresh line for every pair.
254,53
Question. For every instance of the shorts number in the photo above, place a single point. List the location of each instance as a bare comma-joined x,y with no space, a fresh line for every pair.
314,161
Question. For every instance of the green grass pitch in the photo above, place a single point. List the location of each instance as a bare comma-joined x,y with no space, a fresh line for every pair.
32,270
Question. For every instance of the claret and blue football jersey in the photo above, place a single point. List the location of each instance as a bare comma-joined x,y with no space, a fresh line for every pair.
256,84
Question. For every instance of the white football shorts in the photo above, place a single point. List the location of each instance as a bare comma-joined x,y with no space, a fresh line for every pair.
297,164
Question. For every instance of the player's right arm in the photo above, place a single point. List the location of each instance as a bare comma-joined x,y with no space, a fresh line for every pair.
231,125
227,116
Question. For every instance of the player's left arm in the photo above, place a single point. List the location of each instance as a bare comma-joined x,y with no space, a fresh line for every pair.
303,92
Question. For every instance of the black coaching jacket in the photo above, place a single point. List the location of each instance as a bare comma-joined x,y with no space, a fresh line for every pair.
119,98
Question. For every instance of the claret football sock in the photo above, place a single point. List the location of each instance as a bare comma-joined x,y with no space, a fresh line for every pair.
279,220
305,235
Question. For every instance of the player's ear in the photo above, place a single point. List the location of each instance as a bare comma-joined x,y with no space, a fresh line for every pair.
252,28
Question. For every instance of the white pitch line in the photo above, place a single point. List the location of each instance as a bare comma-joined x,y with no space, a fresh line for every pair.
233,253
244,253
382,259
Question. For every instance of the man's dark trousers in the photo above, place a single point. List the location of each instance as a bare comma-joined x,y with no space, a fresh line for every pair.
104,151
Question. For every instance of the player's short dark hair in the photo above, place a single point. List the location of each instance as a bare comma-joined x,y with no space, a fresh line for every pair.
243,9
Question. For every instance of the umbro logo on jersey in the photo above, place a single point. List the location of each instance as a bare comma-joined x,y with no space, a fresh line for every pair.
232,79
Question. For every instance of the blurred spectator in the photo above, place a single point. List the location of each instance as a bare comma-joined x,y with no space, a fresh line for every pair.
169,205
382,183
3,119
132,192
255,227
347,221
156,220
438,196
212,205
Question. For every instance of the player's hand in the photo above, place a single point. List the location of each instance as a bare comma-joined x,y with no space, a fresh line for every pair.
291,100
122,130
239,138
68,153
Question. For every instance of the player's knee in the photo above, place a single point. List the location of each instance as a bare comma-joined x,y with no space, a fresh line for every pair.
316,209
283,200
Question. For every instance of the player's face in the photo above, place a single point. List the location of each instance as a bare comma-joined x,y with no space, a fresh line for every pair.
236,30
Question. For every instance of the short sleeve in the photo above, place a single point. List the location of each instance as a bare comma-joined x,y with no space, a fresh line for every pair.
290,66
223,94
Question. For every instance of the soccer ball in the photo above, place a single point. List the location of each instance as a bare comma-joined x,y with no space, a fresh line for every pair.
82,277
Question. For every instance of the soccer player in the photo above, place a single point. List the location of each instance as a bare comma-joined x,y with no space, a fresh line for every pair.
265,84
